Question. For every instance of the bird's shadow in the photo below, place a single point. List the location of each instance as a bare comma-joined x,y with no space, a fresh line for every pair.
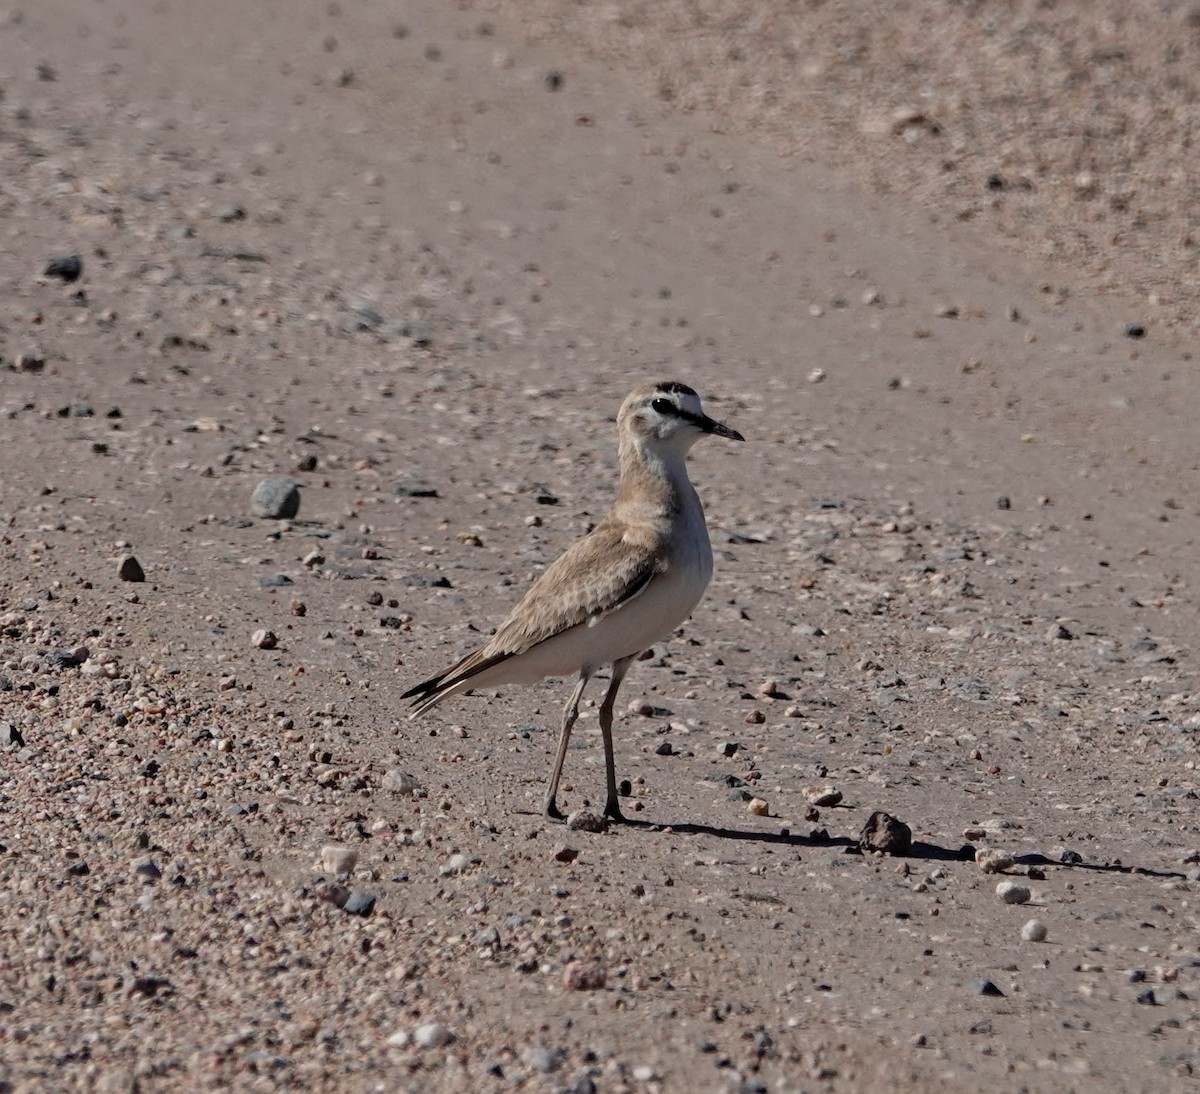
920,849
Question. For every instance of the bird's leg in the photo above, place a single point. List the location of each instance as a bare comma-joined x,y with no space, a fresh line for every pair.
570,714
611,808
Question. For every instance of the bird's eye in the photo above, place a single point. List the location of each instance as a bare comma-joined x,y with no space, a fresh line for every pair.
663,406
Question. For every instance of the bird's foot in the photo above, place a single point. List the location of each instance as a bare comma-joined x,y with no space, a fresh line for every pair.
552,812
613,811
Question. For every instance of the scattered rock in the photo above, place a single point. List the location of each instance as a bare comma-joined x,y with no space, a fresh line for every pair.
30,362
433,1035
823,795
333,893
66,268
584,820
264,640
359,903
728,748
337,860
985,987
993,861
1135,330
758,807
565,853
130,569
400,782
664,749
146,869
584,976
10,735
275,499
1034,930
1012,892
885,833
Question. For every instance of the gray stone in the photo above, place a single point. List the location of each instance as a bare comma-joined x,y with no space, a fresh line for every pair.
275,498
359,903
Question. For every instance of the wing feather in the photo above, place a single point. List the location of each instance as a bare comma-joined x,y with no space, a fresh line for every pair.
610,566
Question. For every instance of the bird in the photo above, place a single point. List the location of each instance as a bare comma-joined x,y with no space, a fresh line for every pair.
626,584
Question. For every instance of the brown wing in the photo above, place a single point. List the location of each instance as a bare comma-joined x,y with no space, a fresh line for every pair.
597,574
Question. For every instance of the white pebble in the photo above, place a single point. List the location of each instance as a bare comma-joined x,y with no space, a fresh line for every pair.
399,1039
993,861
1012,893
1034,931
433,1035
339,861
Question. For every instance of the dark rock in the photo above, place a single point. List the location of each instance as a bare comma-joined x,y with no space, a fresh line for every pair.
416,490
66,268
1134,330
130,569
275,581
10,735
359,903
985,987
885,833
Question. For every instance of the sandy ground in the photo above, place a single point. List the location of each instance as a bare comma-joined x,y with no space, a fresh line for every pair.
412,258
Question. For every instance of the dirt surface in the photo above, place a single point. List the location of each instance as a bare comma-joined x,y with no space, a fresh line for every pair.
412,261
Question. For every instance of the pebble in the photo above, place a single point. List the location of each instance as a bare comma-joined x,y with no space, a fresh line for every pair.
664,749
433,1035
584,820
146,869
30,362
333,893
337,860
885,833
66,268
823,795
276,499
565,853
456,864
584,976
130,569
728,748
545,1060
758,807
1034,930
644,1073
10,735
985,987
1012,892
400,1039
264,639
359,903
993,861
400,782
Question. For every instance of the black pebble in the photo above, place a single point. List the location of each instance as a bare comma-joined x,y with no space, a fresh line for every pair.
555,81
1135,330
65,267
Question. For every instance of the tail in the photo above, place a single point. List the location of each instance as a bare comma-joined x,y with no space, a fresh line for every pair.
456,678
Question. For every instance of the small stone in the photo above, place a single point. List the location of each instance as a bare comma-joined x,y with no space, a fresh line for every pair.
584,820
30,362
565,853
333,893
641,708
400,782
1012,892
456,865
146,869
433,1035
545,1060
645,1074
993,861
985,987
728,748
755,718
823,795
264,639
399,1039
885,833
11,735
275,499
1135,330
769,689
584,976
359,903
758,808
664,749
66,268
130,569
1034,930
337,860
